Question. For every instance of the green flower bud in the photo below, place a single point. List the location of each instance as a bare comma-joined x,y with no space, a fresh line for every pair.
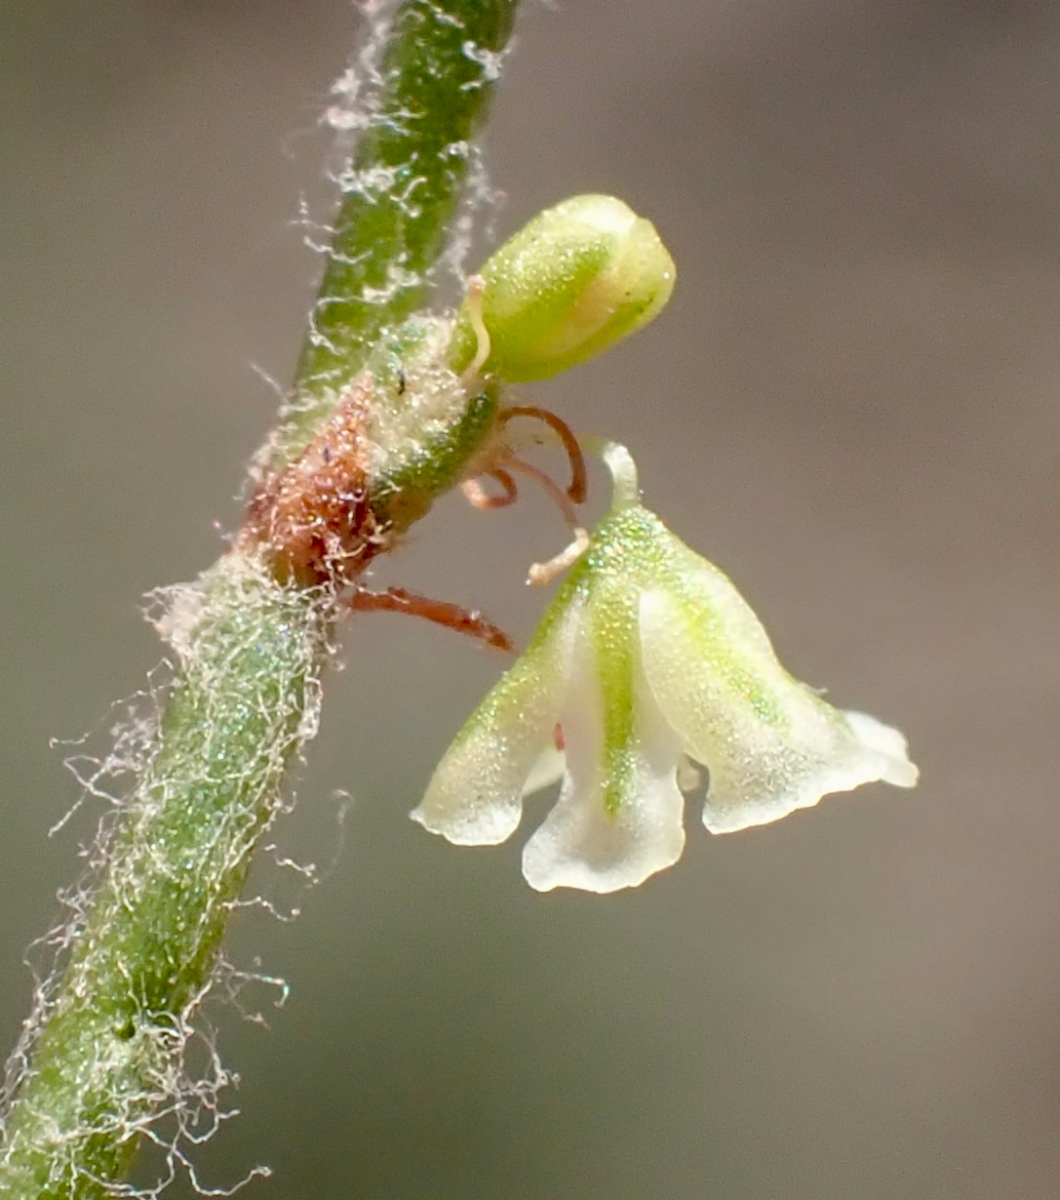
575,280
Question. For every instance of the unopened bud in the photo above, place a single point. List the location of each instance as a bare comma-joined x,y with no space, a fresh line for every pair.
575,280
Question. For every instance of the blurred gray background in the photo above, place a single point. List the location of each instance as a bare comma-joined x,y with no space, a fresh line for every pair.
851,405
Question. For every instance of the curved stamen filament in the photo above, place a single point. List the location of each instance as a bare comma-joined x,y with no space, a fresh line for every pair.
541,573
557,494
480,498
578,486
504,462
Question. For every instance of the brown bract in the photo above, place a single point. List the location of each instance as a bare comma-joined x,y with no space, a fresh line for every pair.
315,524
314,519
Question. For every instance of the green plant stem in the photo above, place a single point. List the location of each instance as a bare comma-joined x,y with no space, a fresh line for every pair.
105,1050
405,182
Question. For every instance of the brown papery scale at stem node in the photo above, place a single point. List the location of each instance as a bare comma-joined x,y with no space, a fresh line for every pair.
315,525
313,519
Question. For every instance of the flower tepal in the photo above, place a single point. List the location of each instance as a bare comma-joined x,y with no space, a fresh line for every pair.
647,654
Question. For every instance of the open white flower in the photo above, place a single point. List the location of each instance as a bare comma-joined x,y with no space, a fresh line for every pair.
647,654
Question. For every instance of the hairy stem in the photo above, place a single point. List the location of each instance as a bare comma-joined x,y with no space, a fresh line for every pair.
104,1051
403,186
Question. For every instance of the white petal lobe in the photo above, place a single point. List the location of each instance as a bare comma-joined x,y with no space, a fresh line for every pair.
770,744
475,795
581,844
